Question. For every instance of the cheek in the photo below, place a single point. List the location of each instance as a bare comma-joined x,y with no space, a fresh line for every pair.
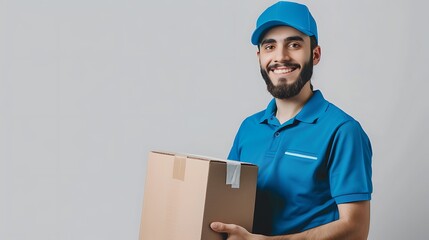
299,57
264,61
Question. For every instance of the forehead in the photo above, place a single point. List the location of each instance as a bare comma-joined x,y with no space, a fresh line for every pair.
283,32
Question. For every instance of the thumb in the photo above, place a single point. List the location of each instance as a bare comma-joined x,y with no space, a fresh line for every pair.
223,227
217,226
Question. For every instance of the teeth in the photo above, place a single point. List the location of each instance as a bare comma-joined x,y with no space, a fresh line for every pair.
283,70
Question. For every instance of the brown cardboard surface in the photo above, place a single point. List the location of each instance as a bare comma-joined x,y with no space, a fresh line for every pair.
226,204
184,194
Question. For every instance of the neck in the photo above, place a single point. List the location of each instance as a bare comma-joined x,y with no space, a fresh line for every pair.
289,108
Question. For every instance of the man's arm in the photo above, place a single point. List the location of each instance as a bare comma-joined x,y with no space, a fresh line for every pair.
353,224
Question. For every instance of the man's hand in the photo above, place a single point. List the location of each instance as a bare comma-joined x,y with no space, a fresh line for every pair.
234,232
352,225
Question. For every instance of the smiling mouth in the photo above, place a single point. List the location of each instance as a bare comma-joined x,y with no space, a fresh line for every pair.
283,69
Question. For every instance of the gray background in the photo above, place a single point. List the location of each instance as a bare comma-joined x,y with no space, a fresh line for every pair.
88,87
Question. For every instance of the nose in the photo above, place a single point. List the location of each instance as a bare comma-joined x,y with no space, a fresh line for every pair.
281,54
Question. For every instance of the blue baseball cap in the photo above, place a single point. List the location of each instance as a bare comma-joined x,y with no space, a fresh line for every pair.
285,13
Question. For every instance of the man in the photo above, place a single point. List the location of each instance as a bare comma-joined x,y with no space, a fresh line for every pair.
314,160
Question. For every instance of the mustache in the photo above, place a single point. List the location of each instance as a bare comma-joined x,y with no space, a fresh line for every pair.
283,64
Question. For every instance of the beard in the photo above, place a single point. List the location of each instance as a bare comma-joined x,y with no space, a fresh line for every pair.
283,90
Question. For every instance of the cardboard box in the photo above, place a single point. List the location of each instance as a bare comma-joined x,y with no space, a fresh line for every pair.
184,193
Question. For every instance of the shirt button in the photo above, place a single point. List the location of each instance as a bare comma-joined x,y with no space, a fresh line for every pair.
276,134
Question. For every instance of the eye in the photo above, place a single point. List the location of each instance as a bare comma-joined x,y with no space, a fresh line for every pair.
294,45
268,47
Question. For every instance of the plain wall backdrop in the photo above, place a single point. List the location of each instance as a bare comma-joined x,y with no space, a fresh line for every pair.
89,87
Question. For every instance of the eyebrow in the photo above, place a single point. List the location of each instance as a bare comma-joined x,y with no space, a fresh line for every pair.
288,39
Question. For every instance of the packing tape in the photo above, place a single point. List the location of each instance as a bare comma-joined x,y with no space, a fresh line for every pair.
233,170
179,167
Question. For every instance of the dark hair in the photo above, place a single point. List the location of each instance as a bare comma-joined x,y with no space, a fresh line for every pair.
313,45
313,42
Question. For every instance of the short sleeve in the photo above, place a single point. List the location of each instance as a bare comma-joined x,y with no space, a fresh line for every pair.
349,164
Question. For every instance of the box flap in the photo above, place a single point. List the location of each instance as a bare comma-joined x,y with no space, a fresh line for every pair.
233,168
201,157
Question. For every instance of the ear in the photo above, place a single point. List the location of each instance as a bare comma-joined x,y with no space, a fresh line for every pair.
317,54
258,55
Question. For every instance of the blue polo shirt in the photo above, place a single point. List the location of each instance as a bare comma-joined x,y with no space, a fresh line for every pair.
307,165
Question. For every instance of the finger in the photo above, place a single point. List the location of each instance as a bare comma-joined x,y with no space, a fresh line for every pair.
217,226
223,227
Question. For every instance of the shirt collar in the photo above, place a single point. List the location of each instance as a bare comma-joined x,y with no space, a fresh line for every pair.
311,111
270,111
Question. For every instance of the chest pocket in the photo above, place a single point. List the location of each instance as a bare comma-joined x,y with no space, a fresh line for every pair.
300,167
300,155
